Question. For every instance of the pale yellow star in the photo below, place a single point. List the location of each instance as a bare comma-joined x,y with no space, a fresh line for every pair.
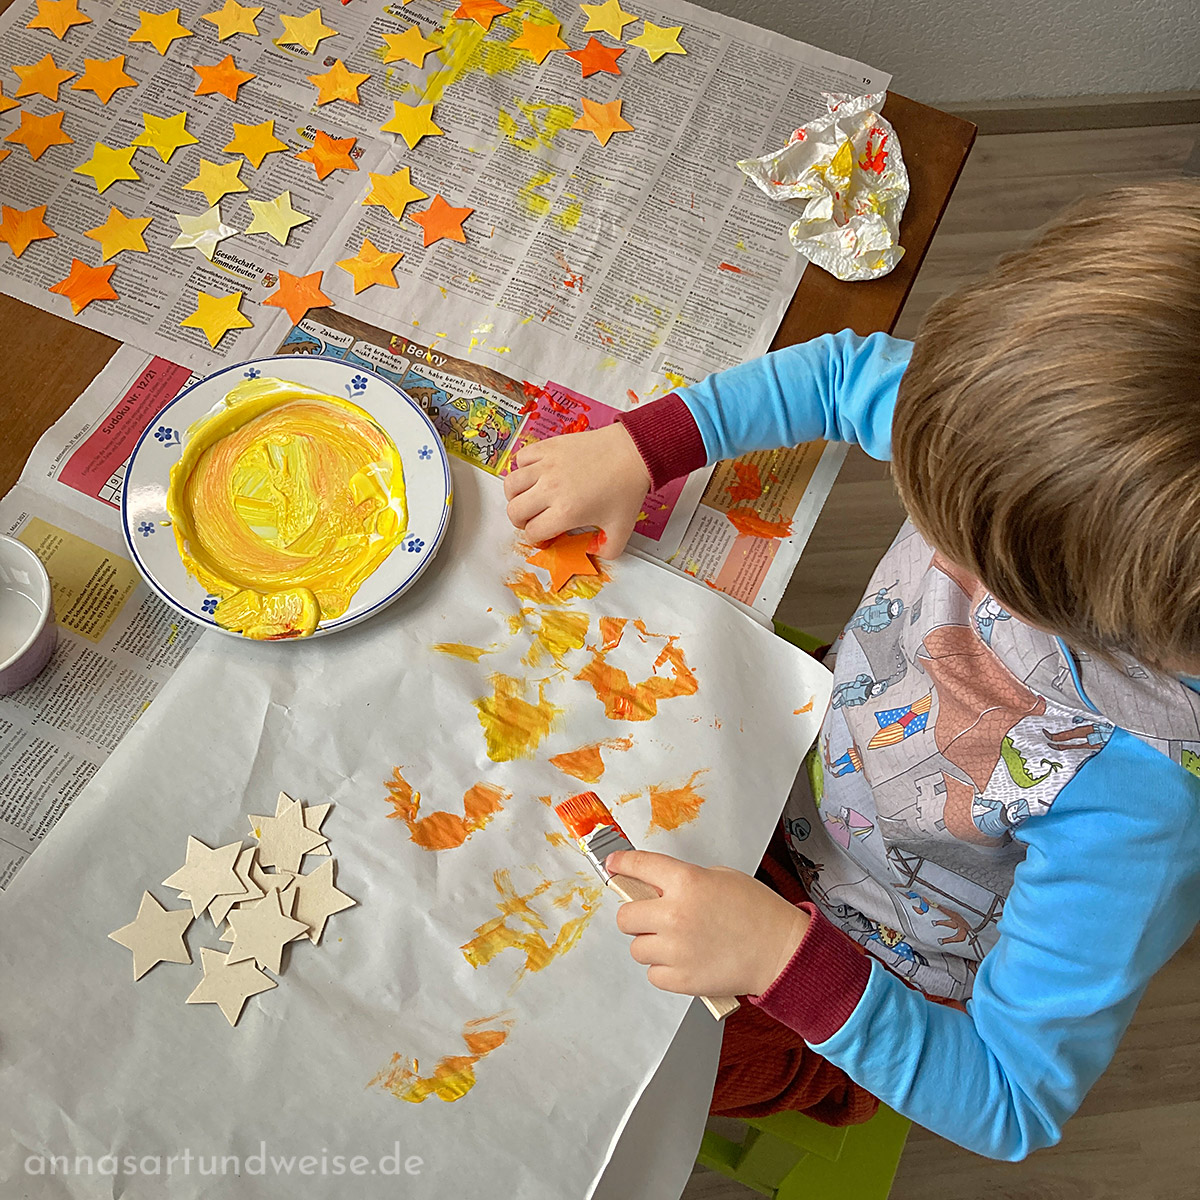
165,134
202,233
233,18
411,46
304,31
608,17
658,40
275,217
216,180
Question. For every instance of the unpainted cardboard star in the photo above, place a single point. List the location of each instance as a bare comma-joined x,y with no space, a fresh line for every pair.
412,122
159,29
564,557
104,76
306,31
255,142
206,873
411,46
202,233
21,226
165,134
328,154
260,930
275,881
658,40
441,220
394,192
155,935
538,40
58,16
482,12
227,985
338,84
317,900
596,56
219,908
371,265
284,839
223,78
42,78
233,18
275,217
38,134
602,119
314,816
216,316
217,179
119,233
85,284
608,17
108,164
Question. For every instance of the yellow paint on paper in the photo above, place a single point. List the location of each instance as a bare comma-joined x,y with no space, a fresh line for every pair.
543,123
530,199
463,651
454,1075
512,727
558,633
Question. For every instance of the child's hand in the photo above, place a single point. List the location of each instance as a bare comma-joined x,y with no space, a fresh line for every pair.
713,932
576,480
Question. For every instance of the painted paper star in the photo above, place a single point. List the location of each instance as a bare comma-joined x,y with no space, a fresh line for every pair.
602,119
228,986
596,56
442,220
658,40
85,284
259,932
296,295
4,154
608,17
338,84
38,134
275,217
58,16
42,78
108,164
206,873
224,78
159,29
304,31
369,266
328,154
20,226
155,935
482,12
411,46
203,232
165,134
217,179
6,102
233,18
564,557
412,122
216,315
119,233
394,192
317,900
255,142
538,40
104,77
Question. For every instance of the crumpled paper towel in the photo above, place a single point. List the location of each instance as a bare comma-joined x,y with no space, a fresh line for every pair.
847,165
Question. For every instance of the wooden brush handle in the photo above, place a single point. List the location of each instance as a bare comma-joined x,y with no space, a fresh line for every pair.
629,888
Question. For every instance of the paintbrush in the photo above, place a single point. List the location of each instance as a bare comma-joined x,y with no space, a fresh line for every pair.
587,818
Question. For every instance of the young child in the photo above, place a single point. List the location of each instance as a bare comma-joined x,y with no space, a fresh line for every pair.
1003,804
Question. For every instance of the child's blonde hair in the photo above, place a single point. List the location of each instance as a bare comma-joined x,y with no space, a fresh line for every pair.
1047,432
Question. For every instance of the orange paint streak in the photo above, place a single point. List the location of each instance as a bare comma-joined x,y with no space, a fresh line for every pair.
444,830
462,650
611,631
729,267
525,585
806,709
672,807
512,727
586,762
555,838
749,485
747,521
624,701
454,1075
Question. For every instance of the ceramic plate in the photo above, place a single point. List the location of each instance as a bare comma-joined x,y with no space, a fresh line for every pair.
148,532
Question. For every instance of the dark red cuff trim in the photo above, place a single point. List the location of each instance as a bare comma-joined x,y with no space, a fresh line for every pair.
822,983
667,438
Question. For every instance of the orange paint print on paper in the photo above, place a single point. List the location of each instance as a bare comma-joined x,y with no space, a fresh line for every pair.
444,830
671,807
625,701
586,763
454,1075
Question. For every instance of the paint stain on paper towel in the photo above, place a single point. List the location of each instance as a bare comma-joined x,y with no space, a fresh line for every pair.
512,726
454,1075
625,701
444,830
586,763
671,807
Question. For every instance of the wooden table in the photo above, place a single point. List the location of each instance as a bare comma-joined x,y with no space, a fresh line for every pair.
49,361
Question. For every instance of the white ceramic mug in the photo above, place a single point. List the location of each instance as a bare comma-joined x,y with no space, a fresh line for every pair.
28,633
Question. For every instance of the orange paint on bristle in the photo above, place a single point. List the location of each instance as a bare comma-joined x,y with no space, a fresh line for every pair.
581,814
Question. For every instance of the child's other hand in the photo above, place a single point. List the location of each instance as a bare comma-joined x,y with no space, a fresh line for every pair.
577,480
713,931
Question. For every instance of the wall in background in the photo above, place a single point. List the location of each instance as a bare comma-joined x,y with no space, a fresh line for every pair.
945,51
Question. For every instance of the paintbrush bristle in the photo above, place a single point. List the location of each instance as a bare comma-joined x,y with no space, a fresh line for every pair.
581,814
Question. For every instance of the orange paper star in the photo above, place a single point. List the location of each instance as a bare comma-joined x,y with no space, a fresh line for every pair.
22,226
394,192
442,220
411,45
38,134
5,102
306,31
4,154
596,56
602,119
338,84
233,18
159,29
42,78
297,294
538,40
103,76
255,142
371,265
565,557
58,16
223,77
85,284
328,154
119,233
482,12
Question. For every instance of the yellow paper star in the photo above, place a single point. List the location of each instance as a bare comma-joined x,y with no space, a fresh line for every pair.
338,84
216,180
159,29
42,78
119,233
608,17
217,315
394,192
304,31
275,217
165,134
233,18
58,16
371,265
104,77
411,121
108,164
538,40
255,142
411,45
658,40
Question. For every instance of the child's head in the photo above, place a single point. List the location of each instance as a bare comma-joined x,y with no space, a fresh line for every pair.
1047,431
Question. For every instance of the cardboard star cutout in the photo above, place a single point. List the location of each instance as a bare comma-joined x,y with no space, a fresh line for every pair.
304,31
58,16
411,46
104,77
216,316
482,12
165,134
338,84
203,232
228,987
284,838
538,40
85,284
658,40
608,17
317,900
159,29
155,935
442,220
328,154
596,56
108,164
233,18
314,815
565,557
223,78
371,265
217,179
275,217
119,233
206,873
20,226
42,78
261,930
412,122
255,142
602,119
394,192
5,102
38,134
219,908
